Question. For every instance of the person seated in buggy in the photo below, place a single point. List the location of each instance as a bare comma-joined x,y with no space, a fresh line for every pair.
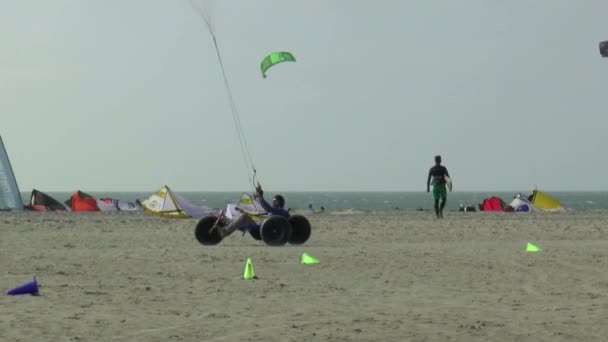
251,223
271,223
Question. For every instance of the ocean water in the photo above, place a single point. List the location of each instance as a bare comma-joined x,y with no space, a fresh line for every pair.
372,201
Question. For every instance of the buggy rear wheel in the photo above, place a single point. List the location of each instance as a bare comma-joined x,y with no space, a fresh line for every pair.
204,235
300,229
275,231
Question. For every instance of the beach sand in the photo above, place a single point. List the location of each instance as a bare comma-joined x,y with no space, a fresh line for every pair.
398,276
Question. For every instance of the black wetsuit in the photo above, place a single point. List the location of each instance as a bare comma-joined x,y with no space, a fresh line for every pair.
438,173
437,176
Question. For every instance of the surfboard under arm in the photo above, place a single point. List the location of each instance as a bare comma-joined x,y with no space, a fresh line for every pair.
448,182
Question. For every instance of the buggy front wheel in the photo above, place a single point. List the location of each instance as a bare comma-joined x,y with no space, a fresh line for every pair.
300,229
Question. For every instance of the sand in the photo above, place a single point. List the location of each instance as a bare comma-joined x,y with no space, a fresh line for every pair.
400,276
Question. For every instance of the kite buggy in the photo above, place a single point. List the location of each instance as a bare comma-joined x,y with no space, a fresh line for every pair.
253,215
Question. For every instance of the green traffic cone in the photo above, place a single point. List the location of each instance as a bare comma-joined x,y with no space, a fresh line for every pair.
249,272
308,260
532,248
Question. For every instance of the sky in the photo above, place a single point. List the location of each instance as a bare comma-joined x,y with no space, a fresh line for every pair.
128,95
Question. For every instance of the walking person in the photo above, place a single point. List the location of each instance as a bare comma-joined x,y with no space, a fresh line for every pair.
438,174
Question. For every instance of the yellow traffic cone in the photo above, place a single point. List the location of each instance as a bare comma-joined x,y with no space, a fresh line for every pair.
249,272
308,260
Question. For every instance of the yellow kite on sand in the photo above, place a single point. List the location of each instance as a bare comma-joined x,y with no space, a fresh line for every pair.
545,202
166,203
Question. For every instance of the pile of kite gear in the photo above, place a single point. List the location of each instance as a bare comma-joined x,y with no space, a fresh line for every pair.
538,201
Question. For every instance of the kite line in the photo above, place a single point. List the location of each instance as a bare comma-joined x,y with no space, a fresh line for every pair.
247,159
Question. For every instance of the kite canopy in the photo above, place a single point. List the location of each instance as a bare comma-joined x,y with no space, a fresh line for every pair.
604,48
10,197
521,203
39,201
493,204
248,204
112,204
274,59
81,201
545,202
166,203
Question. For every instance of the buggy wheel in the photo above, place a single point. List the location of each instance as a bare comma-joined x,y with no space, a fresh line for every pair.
275,231
300,229
203,234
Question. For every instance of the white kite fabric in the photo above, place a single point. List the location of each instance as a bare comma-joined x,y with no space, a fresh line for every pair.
111,204
166,203
10,198
247,204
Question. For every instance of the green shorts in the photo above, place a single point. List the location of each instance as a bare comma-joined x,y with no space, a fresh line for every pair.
440,192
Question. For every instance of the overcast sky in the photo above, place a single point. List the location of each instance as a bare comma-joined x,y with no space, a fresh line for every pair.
128,95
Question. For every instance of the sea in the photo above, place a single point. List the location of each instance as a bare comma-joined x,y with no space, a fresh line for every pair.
364,201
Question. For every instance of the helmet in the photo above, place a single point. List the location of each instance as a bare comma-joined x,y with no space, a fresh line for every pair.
280,200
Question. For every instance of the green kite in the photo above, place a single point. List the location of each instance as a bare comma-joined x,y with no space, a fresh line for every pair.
276,58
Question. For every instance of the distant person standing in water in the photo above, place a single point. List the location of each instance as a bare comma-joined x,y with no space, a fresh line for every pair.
437,174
